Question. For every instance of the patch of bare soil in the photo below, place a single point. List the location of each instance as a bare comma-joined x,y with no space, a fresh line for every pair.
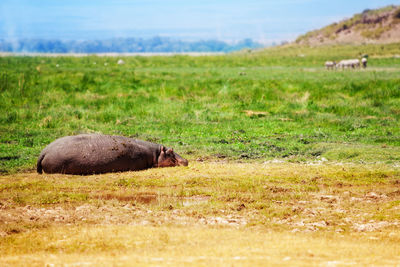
341,212
121,213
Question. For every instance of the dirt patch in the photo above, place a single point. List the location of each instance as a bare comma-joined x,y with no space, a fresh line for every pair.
276,189
112,214
394,193
252,113
373,226
195,200
145,197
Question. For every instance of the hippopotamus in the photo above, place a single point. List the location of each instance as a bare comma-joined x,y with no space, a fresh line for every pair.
86,154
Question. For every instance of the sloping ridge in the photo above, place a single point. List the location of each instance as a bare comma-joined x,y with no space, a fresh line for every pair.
371,26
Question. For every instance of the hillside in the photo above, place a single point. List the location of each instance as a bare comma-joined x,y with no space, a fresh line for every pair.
371,26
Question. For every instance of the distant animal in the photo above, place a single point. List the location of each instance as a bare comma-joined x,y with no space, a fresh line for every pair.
120,62
86,154
348,63
329,65
364,62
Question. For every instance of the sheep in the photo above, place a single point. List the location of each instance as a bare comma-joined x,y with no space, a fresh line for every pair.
342,64
329,65
364,62
355,63
348,63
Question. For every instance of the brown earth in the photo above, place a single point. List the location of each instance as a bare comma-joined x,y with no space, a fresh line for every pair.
334,212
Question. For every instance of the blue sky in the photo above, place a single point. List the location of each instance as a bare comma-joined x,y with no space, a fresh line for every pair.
265,21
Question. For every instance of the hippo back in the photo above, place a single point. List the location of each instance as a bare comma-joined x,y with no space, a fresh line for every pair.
94,153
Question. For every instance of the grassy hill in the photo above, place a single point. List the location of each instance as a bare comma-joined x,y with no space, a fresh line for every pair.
370,26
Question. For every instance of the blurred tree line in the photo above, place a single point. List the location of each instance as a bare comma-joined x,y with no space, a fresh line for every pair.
123,45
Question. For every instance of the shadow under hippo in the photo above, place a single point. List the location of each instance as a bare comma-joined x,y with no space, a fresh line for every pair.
94,153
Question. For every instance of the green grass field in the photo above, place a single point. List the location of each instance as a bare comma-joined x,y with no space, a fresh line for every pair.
198,104
281,153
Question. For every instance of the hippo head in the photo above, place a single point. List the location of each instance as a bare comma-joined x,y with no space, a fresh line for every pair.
168,158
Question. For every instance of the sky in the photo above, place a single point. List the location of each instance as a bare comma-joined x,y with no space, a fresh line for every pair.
265,21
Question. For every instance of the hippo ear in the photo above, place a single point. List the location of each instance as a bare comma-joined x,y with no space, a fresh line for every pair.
163,149
170,151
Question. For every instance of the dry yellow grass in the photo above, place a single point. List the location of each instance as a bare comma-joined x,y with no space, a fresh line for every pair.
215,213
147,245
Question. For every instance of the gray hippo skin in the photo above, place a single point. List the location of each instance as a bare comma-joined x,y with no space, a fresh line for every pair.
94,153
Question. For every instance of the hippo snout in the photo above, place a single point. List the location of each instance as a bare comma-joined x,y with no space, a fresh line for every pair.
179,161
183,162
